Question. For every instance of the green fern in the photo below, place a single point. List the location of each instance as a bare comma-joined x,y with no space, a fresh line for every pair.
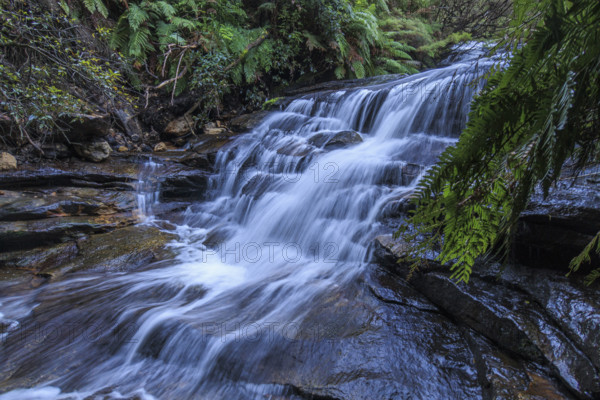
359,69
96,5
522,128
136,16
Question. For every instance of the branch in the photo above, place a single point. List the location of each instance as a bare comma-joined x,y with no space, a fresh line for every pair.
257,42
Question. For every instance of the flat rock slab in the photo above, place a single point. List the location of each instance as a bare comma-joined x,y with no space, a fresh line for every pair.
121,250
63,202
23,235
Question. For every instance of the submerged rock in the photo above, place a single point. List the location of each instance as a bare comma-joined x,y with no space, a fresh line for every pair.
335,140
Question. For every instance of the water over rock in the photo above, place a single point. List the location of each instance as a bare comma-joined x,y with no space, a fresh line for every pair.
270,288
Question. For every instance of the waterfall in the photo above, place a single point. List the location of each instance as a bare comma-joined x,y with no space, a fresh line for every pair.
148,190
289,221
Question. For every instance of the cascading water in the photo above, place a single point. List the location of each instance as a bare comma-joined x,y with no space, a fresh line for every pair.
148,190
292,212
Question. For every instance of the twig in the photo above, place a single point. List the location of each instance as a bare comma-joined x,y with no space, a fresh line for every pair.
257,42
24,133
176,76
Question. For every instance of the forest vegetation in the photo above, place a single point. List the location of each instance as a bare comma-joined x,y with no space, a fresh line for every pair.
61,59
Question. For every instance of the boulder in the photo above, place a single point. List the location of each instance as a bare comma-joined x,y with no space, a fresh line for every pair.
85,127
95,151
7,161
179,127
247,122
160,147
334,140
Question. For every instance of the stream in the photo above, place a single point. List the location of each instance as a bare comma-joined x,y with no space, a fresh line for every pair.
270,292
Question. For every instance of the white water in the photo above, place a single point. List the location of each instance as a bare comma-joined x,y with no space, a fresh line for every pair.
287,223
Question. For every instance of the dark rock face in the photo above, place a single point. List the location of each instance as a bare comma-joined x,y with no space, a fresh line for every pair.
539,315
85,127
554,230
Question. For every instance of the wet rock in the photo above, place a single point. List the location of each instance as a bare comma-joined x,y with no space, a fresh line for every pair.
335,139
570,304
247,122
209,145
295,150
257,185
122,149
387,251
515,323
29,205
39,259
7,161
160,147
503,377
200,161
95,151
352,345
121,250
538,315
23,235
555,229
179,127
183,183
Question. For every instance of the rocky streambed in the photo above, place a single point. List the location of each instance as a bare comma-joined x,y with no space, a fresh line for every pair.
514,332
97,304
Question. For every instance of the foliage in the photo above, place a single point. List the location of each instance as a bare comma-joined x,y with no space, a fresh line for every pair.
260,46
244,49
43,61
479,18
533,116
